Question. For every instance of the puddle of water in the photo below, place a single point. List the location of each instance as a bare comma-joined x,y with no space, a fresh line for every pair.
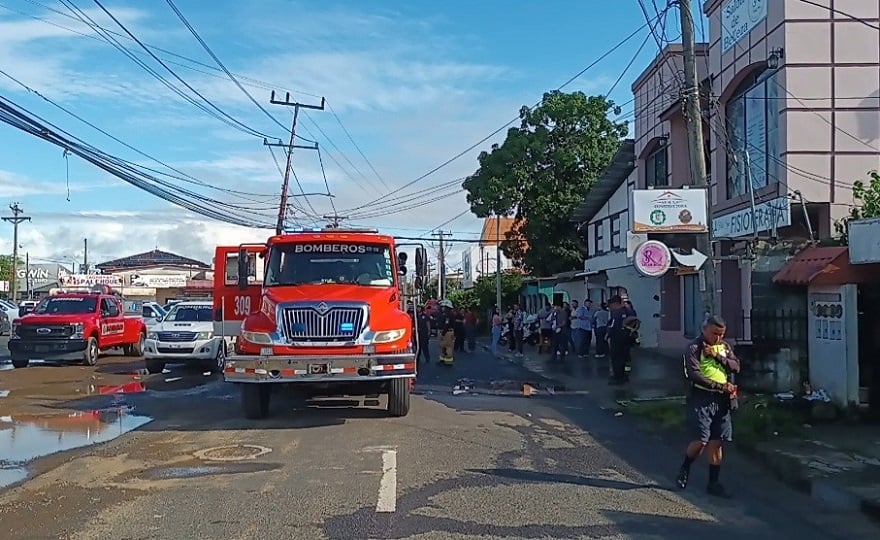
27,437
209,470
128,388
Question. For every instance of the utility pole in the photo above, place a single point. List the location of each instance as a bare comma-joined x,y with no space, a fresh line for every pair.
282,209
334,220
441,260
498,262
85,255
694,114
15,219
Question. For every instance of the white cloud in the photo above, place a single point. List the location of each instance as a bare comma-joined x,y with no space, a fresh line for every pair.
13,185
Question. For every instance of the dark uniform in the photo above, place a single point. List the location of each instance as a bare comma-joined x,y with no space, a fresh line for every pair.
424,323
619,342
708,406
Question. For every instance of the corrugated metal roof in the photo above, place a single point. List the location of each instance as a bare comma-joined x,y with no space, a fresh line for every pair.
622,164
828,265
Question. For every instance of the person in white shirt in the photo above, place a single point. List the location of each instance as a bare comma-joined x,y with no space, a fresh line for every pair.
580,328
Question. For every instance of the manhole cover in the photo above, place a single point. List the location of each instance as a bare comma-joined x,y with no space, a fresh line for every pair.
238,452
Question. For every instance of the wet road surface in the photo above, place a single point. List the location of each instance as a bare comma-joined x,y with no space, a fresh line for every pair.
464,464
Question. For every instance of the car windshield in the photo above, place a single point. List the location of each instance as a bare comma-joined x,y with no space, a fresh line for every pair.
199,313
330,262
67,305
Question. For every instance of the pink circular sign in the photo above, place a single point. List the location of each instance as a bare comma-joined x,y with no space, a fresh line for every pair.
652,258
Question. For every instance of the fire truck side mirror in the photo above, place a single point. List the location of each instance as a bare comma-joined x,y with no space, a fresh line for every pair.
242,269
401,263
421,262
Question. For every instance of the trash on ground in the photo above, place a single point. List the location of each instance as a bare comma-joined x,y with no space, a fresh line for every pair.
4,393
166,371
174,379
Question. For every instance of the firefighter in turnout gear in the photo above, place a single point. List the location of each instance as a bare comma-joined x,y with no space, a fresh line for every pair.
447,333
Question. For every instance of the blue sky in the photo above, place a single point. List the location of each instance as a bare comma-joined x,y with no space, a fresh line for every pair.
413,83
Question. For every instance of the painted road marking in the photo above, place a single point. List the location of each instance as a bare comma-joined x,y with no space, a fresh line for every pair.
388,485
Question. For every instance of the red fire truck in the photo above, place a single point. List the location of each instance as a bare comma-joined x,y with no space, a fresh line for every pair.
319,310
76,326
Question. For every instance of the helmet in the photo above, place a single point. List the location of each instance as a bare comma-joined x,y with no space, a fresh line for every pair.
446,303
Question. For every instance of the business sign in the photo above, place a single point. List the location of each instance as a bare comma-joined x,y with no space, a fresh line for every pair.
652,258
159,281
669,211
467,270
88,280
739,223
738,18
38,275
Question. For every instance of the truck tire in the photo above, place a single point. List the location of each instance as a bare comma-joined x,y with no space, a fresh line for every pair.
136,349
219,362
20,362
154,366
90,355
255,400
398,397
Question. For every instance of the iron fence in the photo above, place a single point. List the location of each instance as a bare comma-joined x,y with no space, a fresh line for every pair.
773,329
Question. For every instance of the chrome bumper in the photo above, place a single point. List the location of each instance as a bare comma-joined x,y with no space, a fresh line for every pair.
319,369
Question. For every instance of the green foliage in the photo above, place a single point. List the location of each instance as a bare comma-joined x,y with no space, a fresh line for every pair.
867,205
6,267
541,173
482,294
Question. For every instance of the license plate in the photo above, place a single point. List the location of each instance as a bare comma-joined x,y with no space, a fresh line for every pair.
319,369
176,346
41,348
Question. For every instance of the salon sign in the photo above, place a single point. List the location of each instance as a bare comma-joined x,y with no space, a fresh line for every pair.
652,258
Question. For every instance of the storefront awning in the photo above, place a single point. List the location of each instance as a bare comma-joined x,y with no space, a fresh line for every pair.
827,265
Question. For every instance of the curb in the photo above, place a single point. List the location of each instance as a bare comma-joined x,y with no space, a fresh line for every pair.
791,472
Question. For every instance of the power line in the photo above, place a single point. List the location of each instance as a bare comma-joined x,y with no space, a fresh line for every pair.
841,12
492,134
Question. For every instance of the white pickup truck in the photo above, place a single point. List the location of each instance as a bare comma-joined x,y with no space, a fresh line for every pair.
186,334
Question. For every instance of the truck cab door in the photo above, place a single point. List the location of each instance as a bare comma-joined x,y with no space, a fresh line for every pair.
112,324
234,298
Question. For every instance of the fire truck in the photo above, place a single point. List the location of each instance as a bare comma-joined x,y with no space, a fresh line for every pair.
76,325
320,311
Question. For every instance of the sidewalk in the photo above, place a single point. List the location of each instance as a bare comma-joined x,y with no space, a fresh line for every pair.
834,464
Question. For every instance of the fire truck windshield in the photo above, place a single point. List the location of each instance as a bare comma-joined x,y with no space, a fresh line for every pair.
67,305
330,262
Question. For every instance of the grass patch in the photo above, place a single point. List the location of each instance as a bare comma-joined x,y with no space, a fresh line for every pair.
757,419
760,418
666,414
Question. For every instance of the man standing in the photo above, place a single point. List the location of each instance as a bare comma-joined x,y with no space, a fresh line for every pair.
423,320
562,330
588,326
709,363
618,340
579,325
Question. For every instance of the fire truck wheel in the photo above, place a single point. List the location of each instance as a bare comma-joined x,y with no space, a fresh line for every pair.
90,355
20,362
255,400
154,366
398,397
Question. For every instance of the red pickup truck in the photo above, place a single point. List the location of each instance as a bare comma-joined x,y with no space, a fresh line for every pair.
76,327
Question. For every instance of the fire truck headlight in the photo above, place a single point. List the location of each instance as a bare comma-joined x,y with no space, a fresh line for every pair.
389,336
78,330
257,338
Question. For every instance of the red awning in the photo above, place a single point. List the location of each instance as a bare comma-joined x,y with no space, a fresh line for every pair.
825,266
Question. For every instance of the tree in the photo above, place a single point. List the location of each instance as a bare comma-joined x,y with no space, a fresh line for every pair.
482,294
6,267
541,172
867,205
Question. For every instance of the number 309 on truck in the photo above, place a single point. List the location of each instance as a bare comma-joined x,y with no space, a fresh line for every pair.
319,312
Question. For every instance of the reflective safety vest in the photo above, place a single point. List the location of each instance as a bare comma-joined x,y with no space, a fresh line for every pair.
712,369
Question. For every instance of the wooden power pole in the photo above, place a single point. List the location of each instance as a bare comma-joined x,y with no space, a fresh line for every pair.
285,186
15,219
693,109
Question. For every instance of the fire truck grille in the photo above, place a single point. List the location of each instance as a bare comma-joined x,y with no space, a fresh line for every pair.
45,331
337,324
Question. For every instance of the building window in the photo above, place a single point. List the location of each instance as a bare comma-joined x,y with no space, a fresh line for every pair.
753,126
657,167
615,233
599,236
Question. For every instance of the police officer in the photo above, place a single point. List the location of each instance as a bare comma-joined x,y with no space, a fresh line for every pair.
709,365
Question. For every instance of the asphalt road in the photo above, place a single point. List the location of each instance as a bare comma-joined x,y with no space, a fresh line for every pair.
472,465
